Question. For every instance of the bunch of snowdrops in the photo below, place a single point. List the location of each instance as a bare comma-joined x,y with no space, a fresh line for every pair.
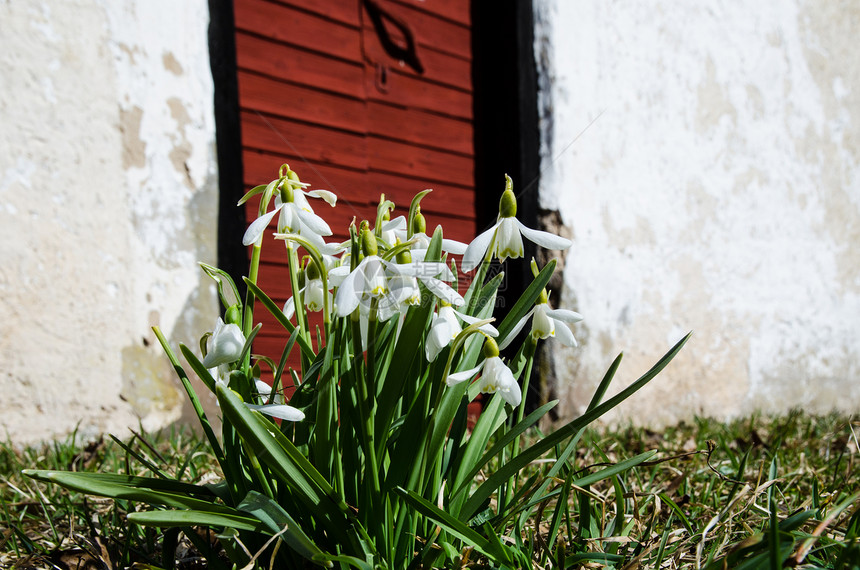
362,454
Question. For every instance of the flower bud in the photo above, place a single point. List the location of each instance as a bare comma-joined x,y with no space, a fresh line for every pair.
543,299
368,242
491,349
287,192
404,256
419,224
508,202
312,271
233,316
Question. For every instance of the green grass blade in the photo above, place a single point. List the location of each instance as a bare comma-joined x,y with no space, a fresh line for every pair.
92,484
453,526
277,520
196,518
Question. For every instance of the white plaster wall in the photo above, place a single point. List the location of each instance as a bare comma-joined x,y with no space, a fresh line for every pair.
108,198
713,187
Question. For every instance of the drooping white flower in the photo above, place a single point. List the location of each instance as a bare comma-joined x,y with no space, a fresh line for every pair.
496,376
296,217
445,327
506,236
224,346
547,323
366,282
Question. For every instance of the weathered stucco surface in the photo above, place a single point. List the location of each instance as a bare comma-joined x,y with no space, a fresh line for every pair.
108,198
714,188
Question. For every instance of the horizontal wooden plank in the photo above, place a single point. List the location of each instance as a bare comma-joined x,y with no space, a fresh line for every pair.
294,64
436,66
458,11
427,165
285,23
303,102
429,30
420,127
336,10
416,93
261,167
287,137
444,200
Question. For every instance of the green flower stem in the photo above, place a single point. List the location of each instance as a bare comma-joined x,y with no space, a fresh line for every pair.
257,471
298,304
478,282
531,345
248,317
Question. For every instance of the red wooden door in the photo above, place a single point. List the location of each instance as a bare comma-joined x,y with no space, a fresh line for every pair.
360,97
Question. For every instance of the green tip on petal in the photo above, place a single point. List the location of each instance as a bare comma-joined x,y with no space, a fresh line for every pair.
508,203
491,349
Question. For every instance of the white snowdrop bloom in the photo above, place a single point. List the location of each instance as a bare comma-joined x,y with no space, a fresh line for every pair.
496,376
506,236
445,327
296,216
224,346
547,323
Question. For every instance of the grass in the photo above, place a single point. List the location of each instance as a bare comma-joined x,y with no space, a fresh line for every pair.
755,493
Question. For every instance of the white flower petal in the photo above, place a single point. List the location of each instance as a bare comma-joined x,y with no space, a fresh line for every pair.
280,411
316,224
454,246
347,298
398,223
263,389
336,275
458,377
486,328
443,291
257,227
225,345
289,308
476,250
564,315
542,325
509,242
328,196
564,334
544,239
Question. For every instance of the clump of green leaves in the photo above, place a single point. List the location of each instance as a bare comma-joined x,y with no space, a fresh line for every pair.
361,454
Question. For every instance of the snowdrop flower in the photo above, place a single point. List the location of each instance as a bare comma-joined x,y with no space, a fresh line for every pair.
445,327
547,323
312,293
225,345
506,236
296,215
405,275
366,282
496,377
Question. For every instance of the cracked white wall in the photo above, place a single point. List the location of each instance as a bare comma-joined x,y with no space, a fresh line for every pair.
713,187
108,198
